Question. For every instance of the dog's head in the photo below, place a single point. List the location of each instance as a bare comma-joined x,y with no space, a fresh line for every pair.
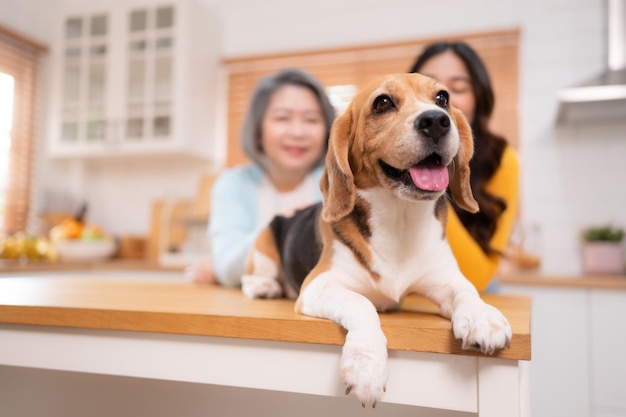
400,133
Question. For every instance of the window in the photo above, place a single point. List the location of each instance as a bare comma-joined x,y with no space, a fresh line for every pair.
344,70
6,120
19,74
340,96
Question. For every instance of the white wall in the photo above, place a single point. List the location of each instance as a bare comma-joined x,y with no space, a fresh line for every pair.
32,17
570,176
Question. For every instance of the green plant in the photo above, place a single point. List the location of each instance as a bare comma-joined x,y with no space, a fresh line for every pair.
603,234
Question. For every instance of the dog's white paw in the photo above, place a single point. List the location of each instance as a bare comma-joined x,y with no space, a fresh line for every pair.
481,326
256,286
364,369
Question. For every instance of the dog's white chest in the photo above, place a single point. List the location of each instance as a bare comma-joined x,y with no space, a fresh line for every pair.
407,241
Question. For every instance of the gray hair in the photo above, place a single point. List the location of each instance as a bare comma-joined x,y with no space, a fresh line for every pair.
265,89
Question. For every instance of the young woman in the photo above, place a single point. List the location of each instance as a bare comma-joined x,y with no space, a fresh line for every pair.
477,240
285,135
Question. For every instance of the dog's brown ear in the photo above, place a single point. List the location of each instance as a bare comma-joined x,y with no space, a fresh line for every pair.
337,183
460,181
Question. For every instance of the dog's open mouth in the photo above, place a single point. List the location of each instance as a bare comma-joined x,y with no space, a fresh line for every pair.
429,174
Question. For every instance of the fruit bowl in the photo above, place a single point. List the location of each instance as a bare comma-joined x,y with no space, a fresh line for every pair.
80,250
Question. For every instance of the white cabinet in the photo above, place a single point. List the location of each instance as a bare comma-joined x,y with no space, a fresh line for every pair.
559,375
134,78
608,342
578,360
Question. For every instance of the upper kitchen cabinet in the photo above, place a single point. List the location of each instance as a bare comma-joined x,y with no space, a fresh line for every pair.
135,79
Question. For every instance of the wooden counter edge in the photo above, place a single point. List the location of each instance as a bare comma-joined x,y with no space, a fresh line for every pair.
417,327
583,281
9,266
316,332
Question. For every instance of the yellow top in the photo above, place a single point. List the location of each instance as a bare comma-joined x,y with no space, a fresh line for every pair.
477,266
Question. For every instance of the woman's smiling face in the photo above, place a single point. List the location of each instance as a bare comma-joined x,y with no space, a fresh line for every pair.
293,132
450,70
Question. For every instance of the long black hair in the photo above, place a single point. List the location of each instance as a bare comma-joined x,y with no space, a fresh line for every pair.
488,147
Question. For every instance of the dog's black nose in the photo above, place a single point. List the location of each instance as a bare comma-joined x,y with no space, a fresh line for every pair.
433,124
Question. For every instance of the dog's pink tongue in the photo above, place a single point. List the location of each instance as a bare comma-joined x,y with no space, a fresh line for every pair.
430,177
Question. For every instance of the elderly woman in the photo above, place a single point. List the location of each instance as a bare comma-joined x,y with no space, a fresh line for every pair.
285,135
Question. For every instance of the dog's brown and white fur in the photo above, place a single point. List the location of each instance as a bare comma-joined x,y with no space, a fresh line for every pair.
382,229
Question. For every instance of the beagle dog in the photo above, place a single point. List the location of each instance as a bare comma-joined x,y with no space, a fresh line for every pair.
380,232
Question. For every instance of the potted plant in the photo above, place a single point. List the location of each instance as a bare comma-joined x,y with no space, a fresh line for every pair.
602,250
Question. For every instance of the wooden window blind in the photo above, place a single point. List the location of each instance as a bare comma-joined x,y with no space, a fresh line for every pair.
20,59
357,65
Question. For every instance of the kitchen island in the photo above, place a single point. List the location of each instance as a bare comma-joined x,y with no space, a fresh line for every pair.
178,331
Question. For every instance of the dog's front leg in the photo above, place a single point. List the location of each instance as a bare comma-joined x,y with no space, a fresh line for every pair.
262,268
364,355
477,324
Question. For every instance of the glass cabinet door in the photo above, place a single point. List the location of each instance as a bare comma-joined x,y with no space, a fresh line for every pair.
85,79
97,79
72,74
149,73
162,103
136,75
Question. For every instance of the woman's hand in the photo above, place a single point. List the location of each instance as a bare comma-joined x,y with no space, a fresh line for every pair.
201,272
292,211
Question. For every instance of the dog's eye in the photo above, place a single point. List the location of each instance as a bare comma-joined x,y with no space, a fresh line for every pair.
441,99
383,104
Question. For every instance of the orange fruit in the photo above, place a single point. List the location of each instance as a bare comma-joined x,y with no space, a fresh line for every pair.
72,229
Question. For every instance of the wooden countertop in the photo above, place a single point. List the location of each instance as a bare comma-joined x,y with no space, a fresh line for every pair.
184,308
617,282
509,275
106,265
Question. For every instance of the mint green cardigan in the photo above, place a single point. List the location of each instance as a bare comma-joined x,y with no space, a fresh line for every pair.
233,223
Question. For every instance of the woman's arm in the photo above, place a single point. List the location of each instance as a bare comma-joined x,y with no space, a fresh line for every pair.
232,227
477,266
